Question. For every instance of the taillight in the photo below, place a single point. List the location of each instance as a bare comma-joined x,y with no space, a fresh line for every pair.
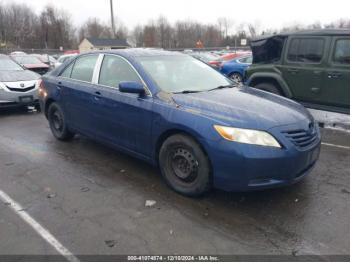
42,91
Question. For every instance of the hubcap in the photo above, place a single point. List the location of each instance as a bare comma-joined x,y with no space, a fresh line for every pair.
184,165
57,121
236,78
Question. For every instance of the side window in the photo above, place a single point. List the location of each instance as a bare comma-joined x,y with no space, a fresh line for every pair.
68,71
306,50
342,51
115,70
84,68
293,50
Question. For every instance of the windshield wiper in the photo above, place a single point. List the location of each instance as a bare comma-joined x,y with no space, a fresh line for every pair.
223,86
187,92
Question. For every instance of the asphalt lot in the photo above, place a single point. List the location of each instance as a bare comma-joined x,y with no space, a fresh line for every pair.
92,199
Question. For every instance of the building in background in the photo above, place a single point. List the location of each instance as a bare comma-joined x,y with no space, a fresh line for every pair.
90,44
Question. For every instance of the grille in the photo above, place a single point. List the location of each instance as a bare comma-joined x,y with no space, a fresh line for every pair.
302,138
21,89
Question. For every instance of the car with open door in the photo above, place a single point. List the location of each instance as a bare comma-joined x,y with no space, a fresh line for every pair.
311,67
32,63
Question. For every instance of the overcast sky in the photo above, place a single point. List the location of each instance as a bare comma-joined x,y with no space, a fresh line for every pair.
266,13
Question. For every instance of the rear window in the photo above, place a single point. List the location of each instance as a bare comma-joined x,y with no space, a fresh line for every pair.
306,50
83,69
342,52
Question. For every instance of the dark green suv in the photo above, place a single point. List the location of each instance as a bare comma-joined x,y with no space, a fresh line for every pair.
312,67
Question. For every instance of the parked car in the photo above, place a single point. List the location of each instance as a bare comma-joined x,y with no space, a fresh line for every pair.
17,53
18,86
46,59
312,67
235,69
204,57
64,58
176,112
32,63
216,63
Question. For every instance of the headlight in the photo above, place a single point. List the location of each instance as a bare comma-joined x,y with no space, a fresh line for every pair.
2,86
247,136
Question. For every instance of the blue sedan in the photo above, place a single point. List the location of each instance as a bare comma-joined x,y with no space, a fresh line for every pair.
176,112
235,69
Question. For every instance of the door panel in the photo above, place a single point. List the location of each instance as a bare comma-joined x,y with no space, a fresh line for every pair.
336,90
77,93
304,67
122,119
77,101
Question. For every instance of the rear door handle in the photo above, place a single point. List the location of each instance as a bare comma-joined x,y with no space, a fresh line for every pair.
334,75
97,95
59,85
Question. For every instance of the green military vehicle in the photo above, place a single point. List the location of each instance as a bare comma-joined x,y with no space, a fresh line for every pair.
311,67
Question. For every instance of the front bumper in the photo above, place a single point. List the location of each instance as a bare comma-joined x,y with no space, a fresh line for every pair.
9,98
243,167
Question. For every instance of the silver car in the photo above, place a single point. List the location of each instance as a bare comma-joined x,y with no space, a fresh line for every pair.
18,86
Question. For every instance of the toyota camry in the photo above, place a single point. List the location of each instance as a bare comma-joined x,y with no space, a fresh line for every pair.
178,113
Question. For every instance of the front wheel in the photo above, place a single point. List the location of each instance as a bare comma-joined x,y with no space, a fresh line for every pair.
57,122
184,166
236,77
269,88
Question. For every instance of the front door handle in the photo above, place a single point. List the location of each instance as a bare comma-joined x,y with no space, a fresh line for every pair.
334,75
293,70
315,90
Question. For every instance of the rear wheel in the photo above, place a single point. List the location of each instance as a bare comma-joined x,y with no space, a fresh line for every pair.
57,122
184,165
269,88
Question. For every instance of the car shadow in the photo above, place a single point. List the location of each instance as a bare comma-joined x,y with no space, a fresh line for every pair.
13,111
274,210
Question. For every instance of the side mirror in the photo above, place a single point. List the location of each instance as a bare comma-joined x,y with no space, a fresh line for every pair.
131,87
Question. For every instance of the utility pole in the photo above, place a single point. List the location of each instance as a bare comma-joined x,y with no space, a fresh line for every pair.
112,19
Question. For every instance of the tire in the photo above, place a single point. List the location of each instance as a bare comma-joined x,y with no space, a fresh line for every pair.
58,123
236,77
184,166
269,88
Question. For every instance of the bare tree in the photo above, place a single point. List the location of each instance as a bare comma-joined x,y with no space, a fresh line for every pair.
225,24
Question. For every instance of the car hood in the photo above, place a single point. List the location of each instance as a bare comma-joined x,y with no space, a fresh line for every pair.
244,107
23,75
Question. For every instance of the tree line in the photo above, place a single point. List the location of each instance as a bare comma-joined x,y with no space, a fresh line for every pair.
52,28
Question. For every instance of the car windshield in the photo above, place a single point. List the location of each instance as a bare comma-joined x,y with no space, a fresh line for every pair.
27,60
177,74
7,64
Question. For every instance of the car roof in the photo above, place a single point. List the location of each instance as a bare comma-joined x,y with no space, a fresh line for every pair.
137,52
319,32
